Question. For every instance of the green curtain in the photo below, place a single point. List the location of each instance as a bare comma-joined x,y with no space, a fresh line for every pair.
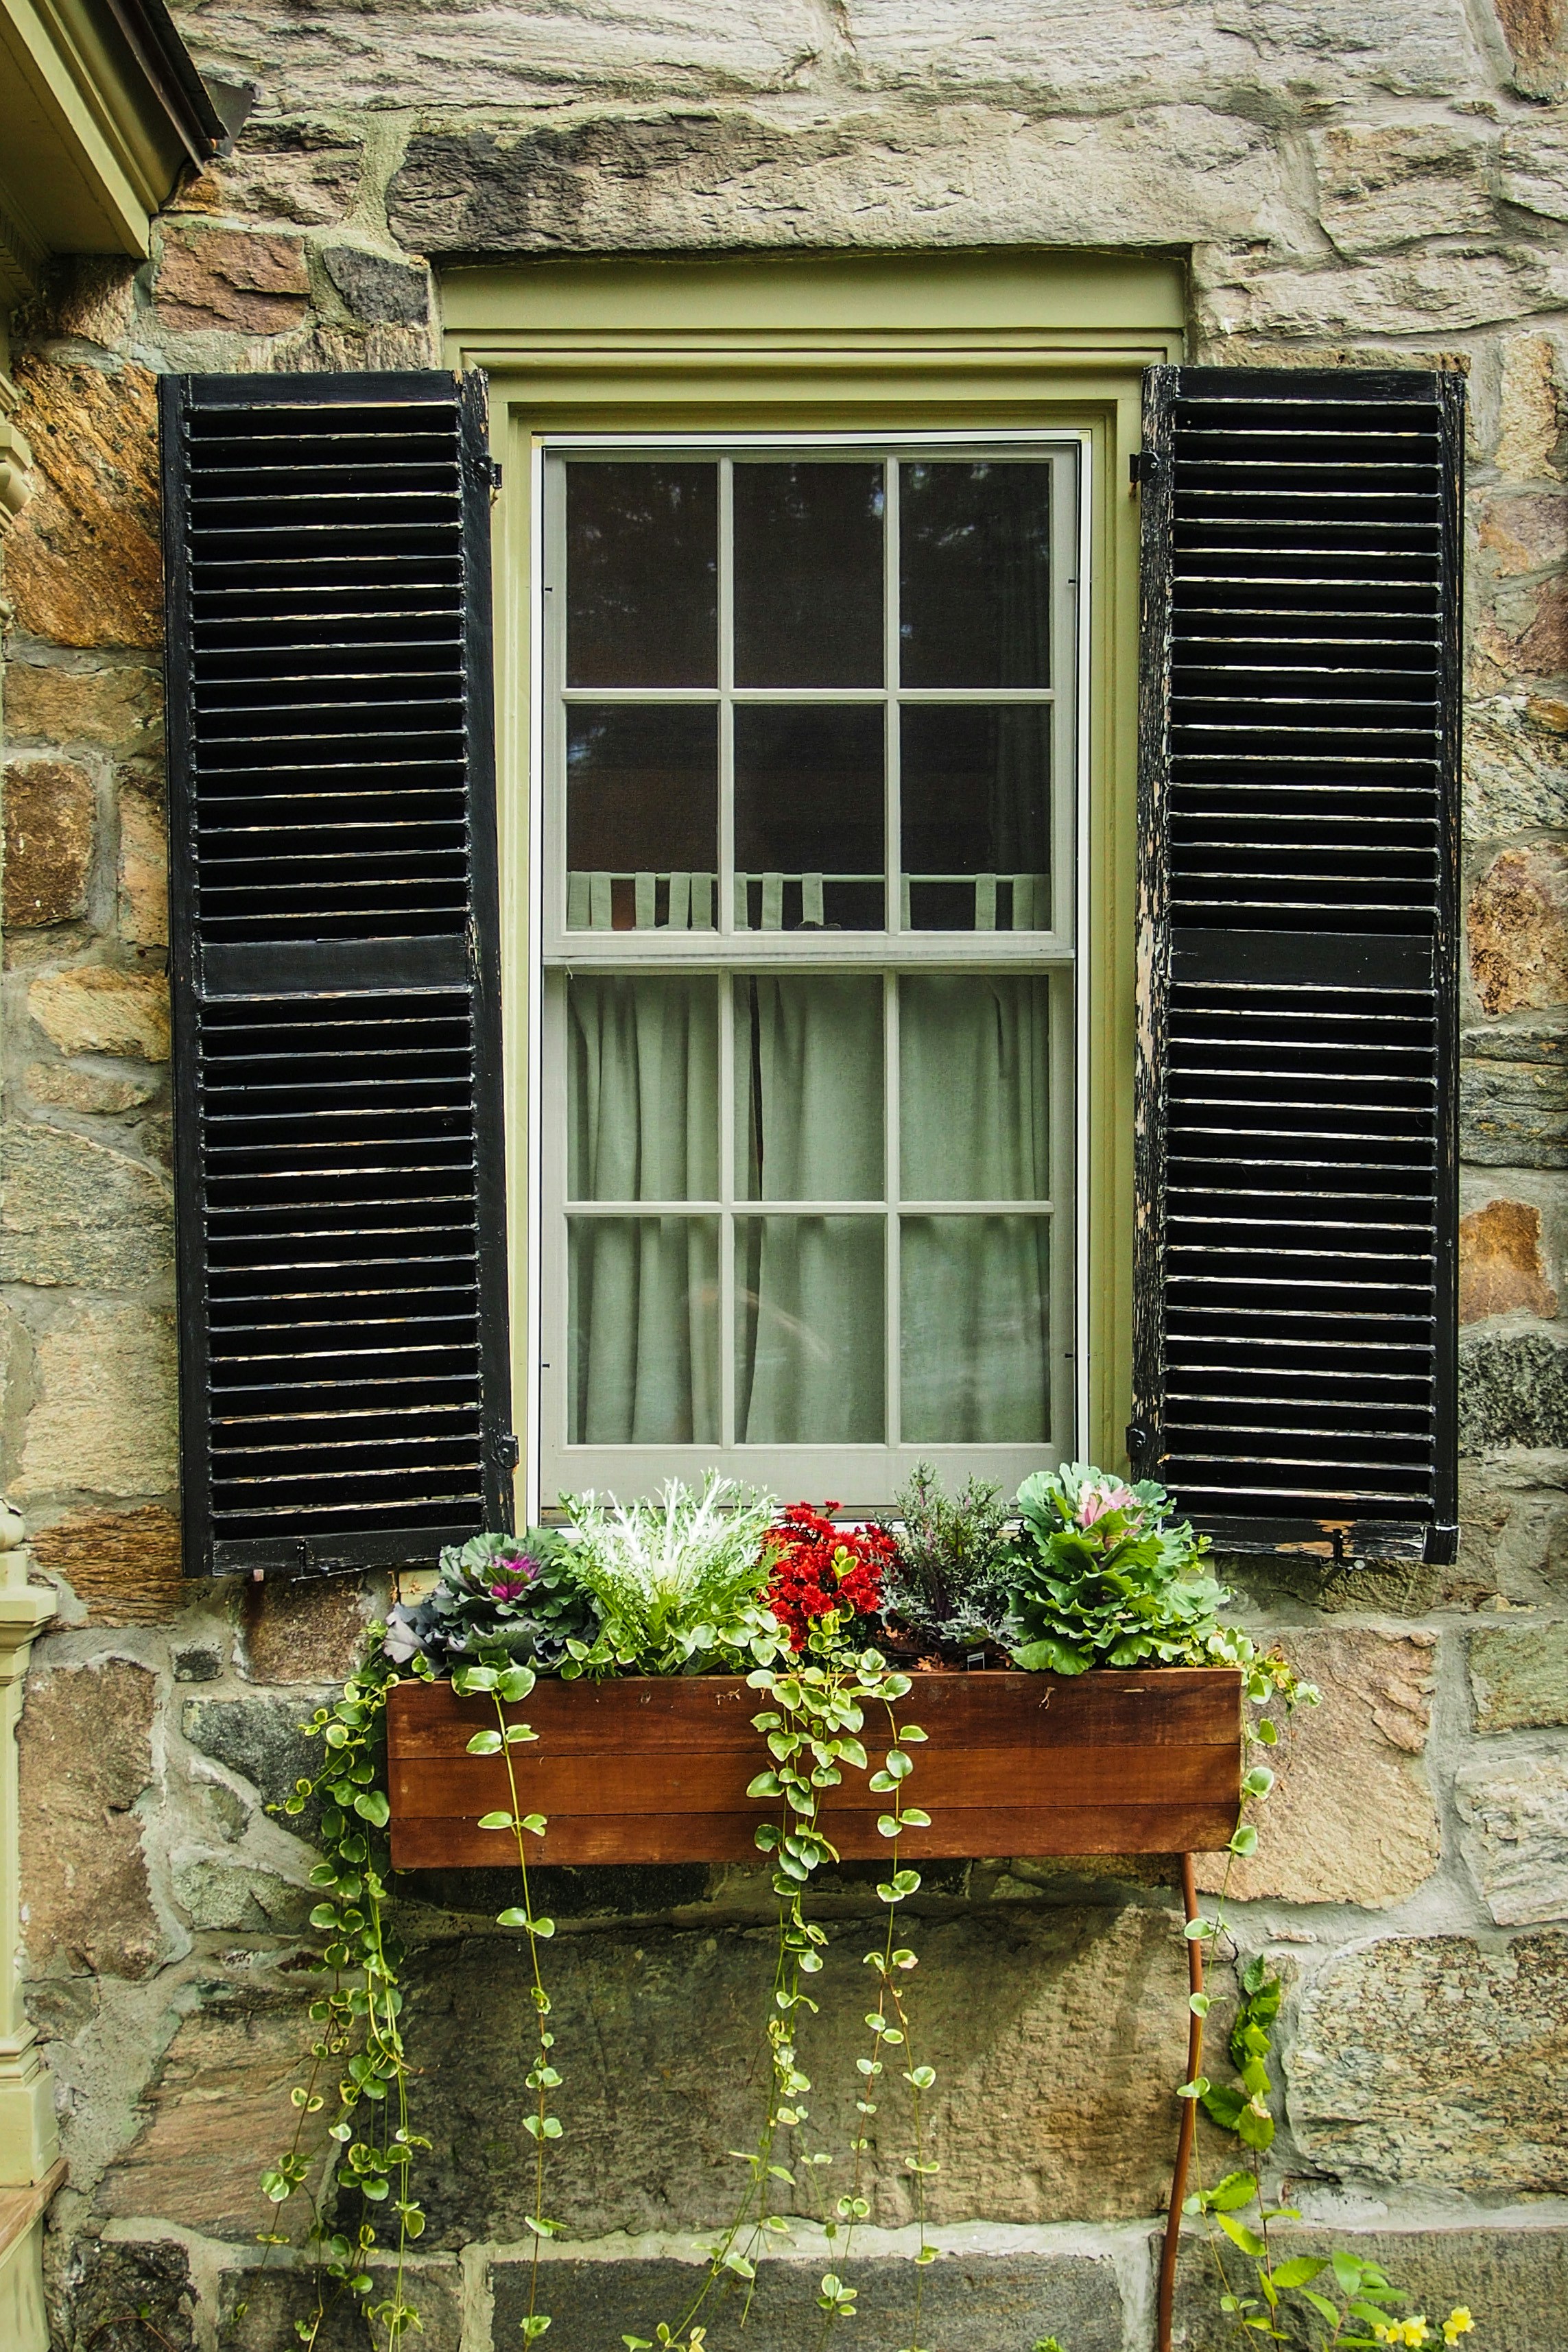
810,1305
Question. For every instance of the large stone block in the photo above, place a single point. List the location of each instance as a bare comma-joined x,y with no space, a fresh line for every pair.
1526,633
1513,1389
87,1091
50,824
1059,2035
1421,292
85,1757
82,561
78,1213
1430,2062
1537,35
669,181
125,1565
969,2302
1516,772
1501,1270
105,1416
374,286
1513,1529
1519,1676
302,172
261,1740
105,2282
1518,931
1298,53
143,879
1515,1837
218,2112
98,1009
1513,2279
262,2311
1513,1097
1533,158
309,1632
231,277
1393,184
119,710
1352,1818
1531,411
230,1892
499,55
1526,532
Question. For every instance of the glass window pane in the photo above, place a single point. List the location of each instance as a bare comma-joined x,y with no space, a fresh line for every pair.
808,576
974,1088
975,796
974,1340
642,1072
644,1330
809,1323
642,817
809,818
642,574
975,562
808,1090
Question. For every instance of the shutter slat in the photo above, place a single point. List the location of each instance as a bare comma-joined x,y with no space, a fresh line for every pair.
1294,1320
343,1345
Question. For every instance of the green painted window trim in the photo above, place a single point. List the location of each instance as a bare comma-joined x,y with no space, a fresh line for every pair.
849,343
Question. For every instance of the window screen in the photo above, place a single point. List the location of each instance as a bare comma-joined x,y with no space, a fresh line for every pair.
807,1109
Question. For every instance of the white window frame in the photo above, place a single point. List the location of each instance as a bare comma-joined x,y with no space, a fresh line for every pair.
862,1477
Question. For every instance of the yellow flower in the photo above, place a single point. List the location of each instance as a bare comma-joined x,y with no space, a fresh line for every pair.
1384,2333
1415,2332
1459,2322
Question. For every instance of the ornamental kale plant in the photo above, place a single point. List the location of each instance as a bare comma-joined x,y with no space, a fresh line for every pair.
1102,1577
496,1597
949,1577
677,1584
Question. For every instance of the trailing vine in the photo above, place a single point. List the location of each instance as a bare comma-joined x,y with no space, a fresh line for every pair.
1364,2317
507,1686
358,2039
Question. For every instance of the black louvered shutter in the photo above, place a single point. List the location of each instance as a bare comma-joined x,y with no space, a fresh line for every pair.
336,989
1296,1333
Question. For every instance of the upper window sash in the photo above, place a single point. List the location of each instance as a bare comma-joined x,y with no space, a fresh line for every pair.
729,943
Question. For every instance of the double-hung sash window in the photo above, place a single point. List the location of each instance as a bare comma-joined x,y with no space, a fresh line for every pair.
809,739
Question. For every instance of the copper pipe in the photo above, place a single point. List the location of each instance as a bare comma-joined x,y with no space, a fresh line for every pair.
1189,2118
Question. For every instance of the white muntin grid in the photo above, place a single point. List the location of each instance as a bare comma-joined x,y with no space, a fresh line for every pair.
863,1474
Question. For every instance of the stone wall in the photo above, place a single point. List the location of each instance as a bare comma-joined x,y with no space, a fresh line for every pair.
1383,181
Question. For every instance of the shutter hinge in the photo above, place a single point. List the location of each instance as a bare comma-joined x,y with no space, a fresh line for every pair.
495,480
1140,1448
1143,466
509,1448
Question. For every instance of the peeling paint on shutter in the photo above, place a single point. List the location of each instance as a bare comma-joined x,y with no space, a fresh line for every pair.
1295,1342
335,970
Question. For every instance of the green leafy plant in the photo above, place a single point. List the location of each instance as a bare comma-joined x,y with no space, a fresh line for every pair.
507,1685
1288,2287
1101,1576
677,1584
356,2059
948,1584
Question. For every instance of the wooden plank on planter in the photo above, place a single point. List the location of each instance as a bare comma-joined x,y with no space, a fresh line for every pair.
1016,1764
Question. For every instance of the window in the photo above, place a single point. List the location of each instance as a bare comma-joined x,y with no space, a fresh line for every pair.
809,750
410,1014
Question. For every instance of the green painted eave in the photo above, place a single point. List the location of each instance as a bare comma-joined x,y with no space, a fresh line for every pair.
100,114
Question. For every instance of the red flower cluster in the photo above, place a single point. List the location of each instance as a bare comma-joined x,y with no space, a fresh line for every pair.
822,1571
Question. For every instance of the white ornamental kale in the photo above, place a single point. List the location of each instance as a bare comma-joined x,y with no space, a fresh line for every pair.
678,1582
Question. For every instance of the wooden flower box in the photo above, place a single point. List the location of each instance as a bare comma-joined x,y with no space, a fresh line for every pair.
643,1771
